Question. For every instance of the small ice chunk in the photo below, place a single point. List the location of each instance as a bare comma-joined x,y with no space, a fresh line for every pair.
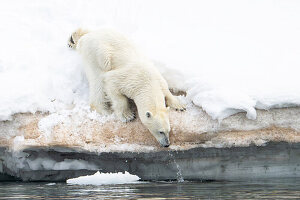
105,178
51,184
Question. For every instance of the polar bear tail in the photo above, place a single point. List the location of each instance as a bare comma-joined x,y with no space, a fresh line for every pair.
76,35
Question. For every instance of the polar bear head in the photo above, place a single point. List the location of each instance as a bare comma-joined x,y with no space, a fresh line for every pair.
76,35
158,124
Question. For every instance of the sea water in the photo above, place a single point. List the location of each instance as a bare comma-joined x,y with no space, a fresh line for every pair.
271,189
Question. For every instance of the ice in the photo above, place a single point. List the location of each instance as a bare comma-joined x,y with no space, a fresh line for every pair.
50,184
229,57
74,164
105,178
20,160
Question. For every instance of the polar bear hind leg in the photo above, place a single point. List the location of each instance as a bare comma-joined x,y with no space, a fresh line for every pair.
171,101
174,103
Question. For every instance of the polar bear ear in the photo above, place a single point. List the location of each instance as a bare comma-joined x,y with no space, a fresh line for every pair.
148,114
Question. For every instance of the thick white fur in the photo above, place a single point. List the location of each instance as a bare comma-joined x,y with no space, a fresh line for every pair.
116,71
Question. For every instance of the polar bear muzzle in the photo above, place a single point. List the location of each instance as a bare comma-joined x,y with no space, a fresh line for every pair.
162,138
165,143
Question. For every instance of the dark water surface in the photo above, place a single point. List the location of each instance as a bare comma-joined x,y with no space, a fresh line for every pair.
275,189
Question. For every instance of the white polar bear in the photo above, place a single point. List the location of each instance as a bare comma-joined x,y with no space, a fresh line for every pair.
117,72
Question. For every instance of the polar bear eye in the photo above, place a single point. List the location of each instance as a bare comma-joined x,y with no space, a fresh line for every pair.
148,114
163,133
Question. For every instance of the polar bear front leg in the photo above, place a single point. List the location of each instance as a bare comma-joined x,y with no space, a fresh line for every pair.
97,98
121,107
120,103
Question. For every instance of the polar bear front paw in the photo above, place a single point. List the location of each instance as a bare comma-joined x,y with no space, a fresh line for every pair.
175,104
101,109
126,116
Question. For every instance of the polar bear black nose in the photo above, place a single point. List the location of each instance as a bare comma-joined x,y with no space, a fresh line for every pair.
167,142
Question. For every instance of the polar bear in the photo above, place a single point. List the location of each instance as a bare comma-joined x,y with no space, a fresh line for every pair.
117,72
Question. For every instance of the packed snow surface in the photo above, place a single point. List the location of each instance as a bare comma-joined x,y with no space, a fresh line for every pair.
104,178
229,56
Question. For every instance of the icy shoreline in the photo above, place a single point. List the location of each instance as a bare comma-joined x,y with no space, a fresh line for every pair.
189,129
233,149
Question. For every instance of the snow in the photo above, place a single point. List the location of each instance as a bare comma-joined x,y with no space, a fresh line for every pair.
229,56
79,114
105,178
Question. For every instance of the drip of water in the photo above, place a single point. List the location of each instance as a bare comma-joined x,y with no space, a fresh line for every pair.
179,174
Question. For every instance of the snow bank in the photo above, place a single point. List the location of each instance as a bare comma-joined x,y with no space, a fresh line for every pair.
104,178
229,57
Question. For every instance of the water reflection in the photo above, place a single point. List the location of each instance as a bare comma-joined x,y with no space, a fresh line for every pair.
288,189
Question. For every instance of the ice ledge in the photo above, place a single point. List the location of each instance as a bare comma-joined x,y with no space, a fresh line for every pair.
201,148
275,160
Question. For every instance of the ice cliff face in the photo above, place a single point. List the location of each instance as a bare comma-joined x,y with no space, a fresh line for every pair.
275,160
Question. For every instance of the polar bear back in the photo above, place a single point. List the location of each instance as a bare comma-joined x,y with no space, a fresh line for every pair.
107,50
